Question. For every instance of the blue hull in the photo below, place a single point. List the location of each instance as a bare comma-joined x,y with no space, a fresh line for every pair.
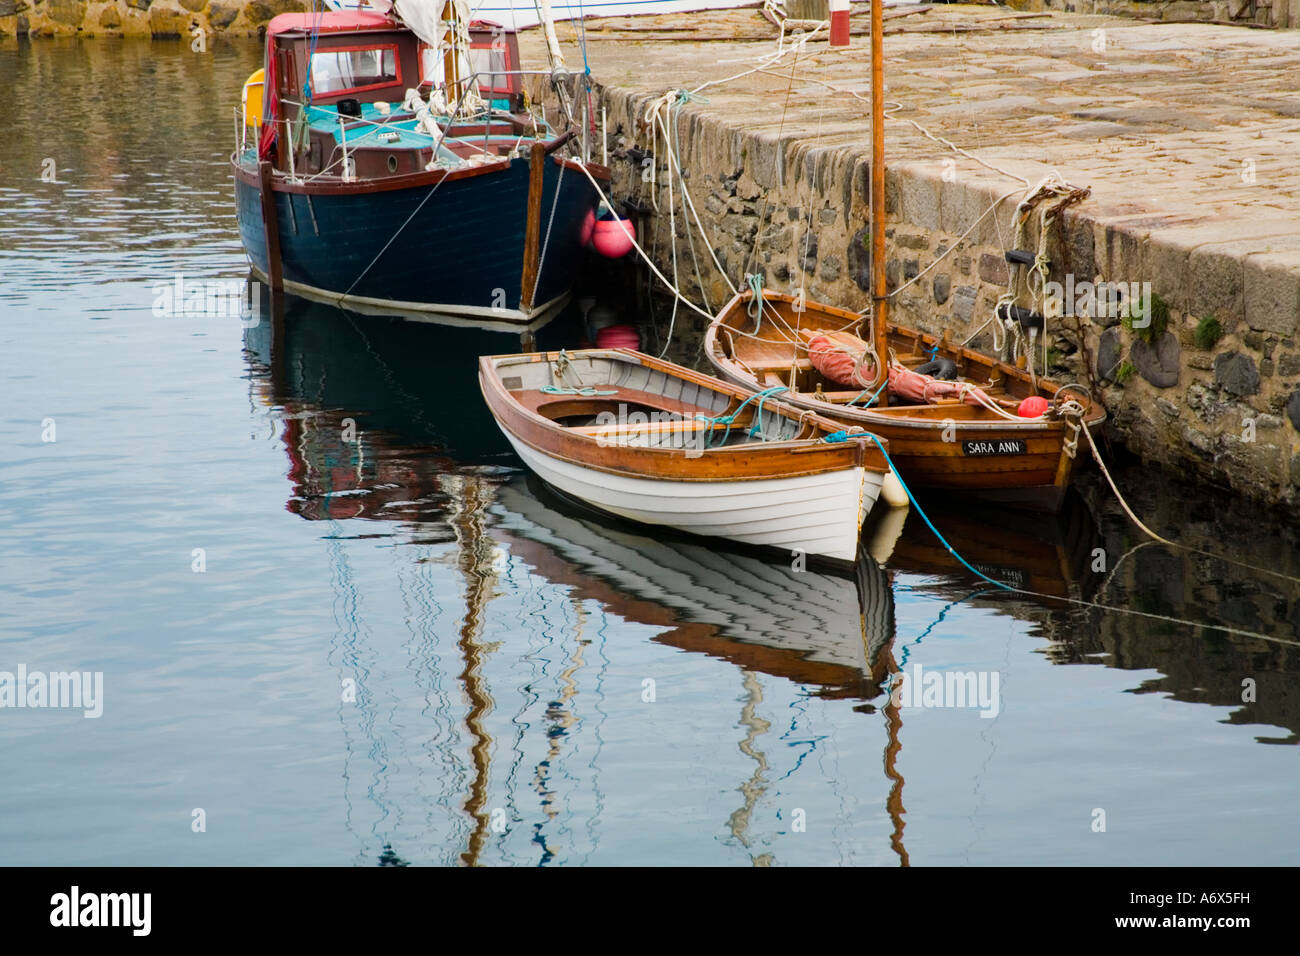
462,253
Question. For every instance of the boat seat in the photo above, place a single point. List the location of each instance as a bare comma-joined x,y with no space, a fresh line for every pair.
545,403
761,365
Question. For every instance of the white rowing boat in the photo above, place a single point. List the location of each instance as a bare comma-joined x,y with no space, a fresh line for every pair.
653,442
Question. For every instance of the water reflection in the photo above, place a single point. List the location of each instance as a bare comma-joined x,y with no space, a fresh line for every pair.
1204,667
1092,552
378,425
360,451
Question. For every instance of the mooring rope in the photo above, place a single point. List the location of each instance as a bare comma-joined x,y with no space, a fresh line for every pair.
1169,619
1165,541
642,253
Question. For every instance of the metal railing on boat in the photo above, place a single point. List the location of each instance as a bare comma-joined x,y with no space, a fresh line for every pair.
347,163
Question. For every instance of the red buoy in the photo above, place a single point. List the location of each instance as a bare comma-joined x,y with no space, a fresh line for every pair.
621,336
1032,407
612,237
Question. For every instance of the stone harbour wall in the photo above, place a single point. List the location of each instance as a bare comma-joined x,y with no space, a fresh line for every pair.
1262,13
139,18
1211,387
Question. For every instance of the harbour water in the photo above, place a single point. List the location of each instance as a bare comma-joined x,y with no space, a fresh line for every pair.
337,624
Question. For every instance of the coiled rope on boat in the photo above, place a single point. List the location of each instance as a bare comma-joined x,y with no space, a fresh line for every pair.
730,418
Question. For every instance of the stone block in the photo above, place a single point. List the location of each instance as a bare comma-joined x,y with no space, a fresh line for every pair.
1272,292
1217,285
858,257
942,287
963,302
1158,364
919,196
260,10
1109,354
994,269
68,13
167,19
1236,374
766,159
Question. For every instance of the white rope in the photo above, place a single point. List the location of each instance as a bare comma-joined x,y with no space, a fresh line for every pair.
952,248
797,44
656,110
641,252
1173,544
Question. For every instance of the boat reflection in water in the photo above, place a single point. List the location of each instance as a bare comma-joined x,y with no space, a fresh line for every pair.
509,588
363,442
831,632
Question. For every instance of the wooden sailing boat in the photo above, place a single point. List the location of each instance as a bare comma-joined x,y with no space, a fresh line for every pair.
387,158
971,433
647,440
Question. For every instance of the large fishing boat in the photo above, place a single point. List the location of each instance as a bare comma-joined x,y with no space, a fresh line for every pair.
389,159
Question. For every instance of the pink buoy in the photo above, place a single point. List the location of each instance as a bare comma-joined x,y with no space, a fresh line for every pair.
1032,407
588,227
612,237
618,337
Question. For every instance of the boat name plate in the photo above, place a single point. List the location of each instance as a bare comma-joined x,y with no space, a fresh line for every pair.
1003,446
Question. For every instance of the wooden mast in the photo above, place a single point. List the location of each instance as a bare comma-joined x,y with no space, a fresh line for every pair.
879,300
450,62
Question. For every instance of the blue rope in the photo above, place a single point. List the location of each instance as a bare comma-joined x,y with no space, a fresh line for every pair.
755,308
919,510
586,391
318,13
872,400
582,42
729,419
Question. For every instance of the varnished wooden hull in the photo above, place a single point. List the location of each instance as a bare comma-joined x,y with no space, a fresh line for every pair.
953,447
794,492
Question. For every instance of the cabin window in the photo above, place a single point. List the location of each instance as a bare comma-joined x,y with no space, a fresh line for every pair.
491,64
351,70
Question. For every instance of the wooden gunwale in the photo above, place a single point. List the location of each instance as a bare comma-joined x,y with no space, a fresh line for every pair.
324,187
